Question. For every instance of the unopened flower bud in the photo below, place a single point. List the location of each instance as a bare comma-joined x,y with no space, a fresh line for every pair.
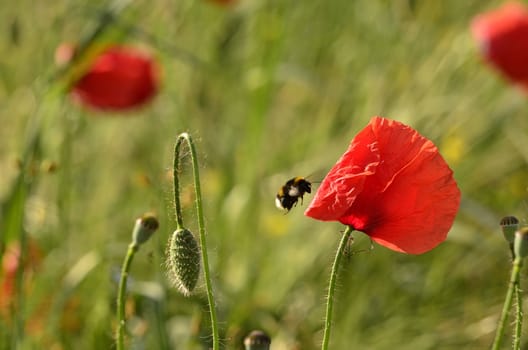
509,225
257,340
144,228
521,243
183,261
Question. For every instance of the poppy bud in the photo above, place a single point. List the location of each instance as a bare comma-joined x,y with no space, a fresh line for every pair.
509,225
183,261
521,243
257,340
144,228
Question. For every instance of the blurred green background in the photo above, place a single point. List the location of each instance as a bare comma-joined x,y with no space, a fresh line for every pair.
269,90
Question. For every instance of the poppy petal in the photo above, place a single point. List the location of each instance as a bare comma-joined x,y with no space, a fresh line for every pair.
419,204
345,181
408,203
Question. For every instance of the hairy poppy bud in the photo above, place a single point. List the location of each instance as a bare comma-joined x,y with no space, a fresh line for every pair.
183,261
144,228
257,340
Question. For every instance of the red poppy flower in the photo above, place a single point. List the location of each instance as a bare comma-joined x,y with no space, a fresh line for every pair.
503,37
393,185
119,79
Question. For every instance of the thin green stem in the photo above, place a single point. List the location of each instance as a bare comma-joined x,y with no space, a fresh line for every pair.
513,285
14,212
518,317
132,249
176,185
201,225
332,286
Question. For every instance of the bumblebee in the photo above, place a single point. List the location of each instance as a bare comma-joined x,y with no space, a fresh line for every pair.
291,192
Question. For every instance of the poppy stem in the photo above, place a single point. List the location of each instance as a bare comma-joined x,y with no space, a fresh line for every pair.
201,224
513,287
144,227
332,285
176,184
518,318
132,249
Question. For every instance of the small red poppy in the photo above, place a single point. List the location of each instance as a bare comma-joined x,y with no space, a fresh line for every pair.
393,185
503,37
119,79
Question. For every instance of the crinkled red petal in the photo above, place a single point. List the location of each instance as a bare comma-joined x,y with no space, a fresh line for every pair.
408,203
345,181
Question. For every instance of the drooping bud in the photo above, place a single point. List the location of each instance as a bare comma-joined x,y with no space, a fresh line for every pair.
144,228
521,243
509,225
257,340
183,261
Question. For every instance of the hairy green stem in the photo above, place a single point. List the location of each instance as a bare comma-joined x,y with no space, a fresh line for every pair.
518,317
176,183
513,285
132,249
332,286
201,224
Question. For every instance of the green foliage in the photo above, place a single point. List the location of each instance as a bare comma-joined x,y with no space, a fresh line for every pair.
269,90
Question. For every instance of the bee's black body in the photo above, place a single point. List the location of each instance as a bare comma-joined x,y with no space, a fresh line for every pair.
291,192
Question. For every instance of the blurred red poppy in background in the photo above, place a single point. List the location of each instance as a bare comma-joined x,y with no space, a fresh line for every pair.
119,79
8,274
503,37
393,185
